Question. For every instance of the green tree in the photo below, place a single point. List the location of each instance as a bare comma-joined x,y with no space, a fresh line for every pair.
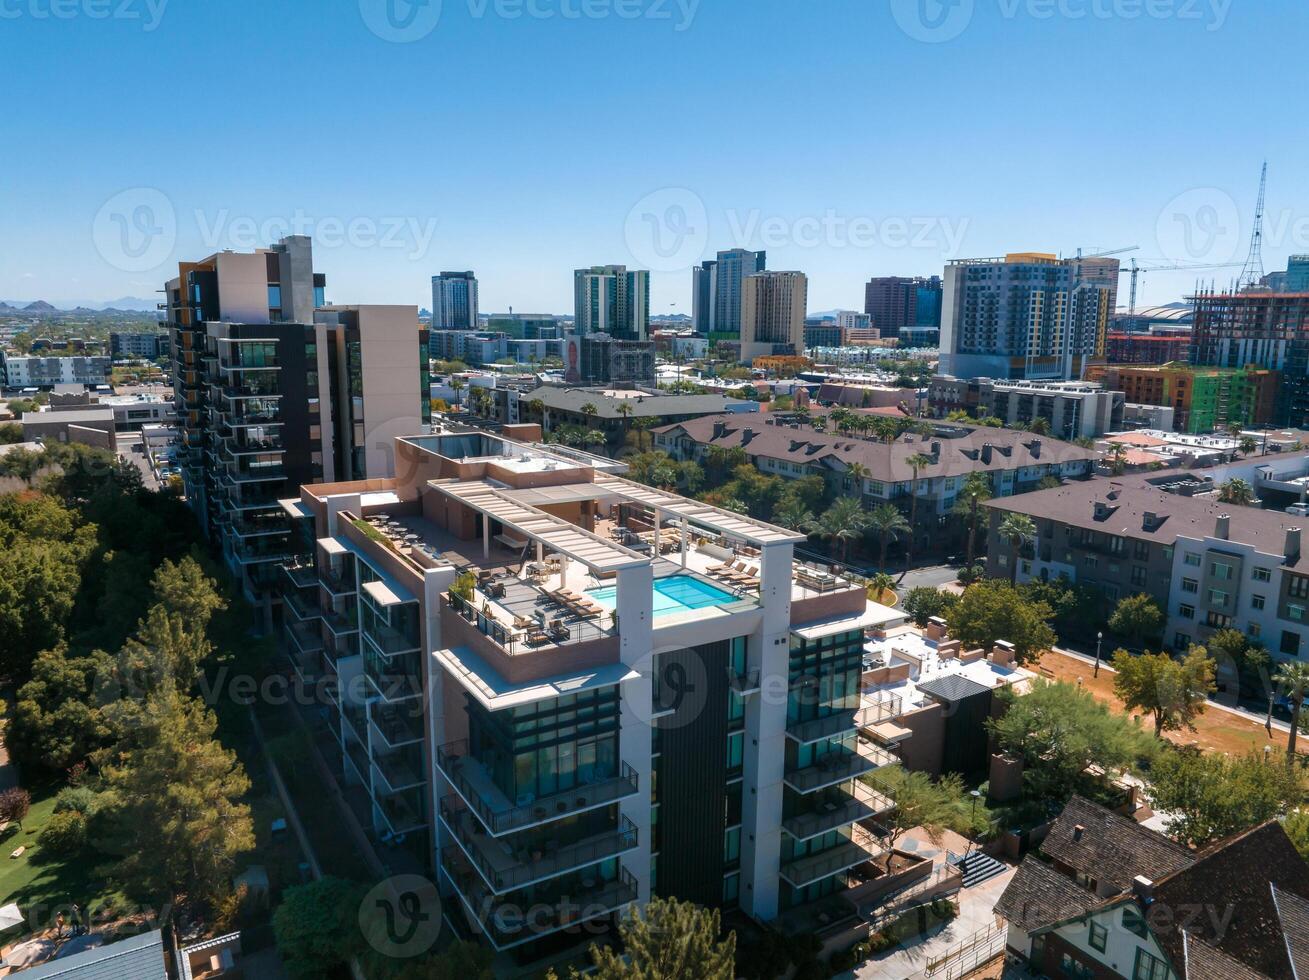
1293,678
1174,692
1116,459
1248,445
793,514
917,463
993,610
1236,491
840,524
1019,531
669,940
1039,426
10,433
178,814
1213,795
317,927
1137,617
920,801
886,523
975,492
59,719
461,960
1060,731
1296,825
924,602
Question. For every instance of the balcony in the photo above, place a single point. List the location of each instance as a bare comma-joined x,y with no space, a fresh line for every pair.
356,715
301,572
835,808
391,683
302,608
395,727
338,586
505,867
341,623
814,867
818,729
589,898
306,638
500,816
391,642
397,771
399,813
838,766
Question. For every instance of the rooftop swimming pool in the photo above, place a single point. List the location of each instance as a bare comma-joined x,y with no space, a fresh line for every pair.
674,594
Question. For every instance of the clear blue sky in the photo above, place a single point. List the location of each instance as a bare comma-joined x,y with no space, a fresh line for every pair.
528,140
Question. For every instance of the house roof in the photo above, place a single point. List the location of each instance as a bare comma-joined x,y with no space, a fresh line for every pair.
1203,962
138,958
643,405
1039,896
1235,880
1294,913
952,688
962,449
1112,849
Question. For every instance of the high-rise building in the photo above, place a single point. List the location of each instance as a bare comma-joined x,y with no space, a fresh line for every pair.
454,301
717,289
1027,315
1263,328
1203,399
1297,274
702,298
773,313
896,303
271,395
611,299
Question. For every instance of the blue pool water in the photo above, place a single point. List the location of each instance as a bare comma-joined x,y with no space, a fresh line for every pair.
674,594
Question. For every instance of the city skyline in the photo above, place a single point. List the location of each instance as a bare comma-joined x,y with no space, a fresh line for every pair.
875,206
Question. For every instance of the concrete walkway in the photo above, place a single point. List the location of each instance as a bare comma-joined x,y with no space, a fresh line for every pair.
976,914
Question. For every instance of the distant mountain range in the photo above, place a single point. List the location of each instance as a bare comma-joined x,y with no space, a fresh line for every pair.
124,304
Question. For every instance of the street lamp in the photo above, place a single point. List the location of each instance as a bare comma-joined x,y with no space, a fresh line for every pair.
976,794
1099,638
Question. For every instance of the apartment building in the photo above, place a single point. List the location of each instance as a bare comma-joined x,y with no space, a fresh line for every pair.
20,371
1027,315
773,313
494,721
717,288
1114,899
611,299
1015,462
600,359
454,301
899,304
271,395
1208,565
1203,399
138,344
1073,409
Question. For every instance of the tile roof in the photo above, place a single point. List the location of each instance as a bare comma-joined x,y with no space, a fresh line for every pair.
644,406
963,449
1038,896
1294,913
138,958
1113,849
1203,962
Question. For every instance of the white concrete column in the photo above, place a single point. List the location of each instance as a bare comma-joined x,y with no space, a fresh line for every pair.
486,537
684,543
635,605
769,650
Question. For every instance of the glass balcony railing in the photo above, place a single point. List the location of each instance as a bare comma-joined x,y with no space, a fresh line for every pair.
815,867
837,766
500,816
837,807
396,727
818,729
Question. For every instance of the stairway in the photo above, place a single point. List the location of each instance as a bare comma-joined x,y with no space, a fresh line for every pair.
978,867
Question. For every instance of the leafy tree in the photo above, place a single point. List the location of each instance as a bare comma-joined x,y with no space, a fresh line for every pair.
1060,731
924,602
917,463
461,960
178,817
10,433
793,514
1116,459
317,927
993,610
1039,426
840,524
1248,445
1137,617
1213,795
1236,491
1075,607
975,492
1296,825
920,801
887,524
14,804
1294,679
1232,649
1019,531
669,940
1174,692
59,719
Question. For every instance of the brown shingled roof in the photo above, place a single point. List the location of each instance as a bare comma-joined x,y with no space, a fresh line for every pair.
1038,896
1112,849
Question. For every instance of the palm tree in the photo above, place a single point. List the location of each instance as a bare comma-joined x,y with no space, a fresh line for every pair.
917,462
1295,678
625,410
888,524
793,514
858,473
457,384
1117,459
537,407
840,523
1248,445
595,439
1236,491
1018,530
976,491
589,412
1039,426
879,585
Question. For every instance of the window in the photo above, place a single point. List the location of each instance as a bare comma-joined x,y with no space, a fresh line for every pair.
1290,643
1220,570
1262,575
1075,969
1181,641
1256,602
1294,611
1253,630
1192,559
1149,967
1217,597
1190,585
1298,587
1099,937
1138,575
1186,612
1217,621
1090,561
1141,550
1133,922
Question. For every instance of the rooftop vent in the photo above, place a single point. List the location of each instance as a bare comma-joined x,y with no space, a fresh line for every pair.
1223,526
1078,831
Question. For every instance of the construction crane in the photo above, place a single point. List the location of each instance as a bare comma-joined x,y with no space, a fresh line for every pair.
1253,270
1137,269
1104,255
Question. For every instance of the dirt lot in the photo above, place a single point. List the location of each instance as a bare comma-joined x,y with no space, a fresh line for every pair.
1216,730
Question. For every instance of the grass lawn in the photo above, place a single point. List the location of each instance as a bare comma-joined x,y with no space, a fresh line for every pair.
1216,730
40,882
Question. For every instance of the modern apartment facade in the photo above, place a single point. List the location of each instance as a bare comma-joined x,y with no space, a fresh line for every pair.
1208,566
600,359
612,299
496,723
1203,399
271,395
454,301
19,371
1073,409
1028,315
897,303
773,313
1263,328
138,344
717,290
